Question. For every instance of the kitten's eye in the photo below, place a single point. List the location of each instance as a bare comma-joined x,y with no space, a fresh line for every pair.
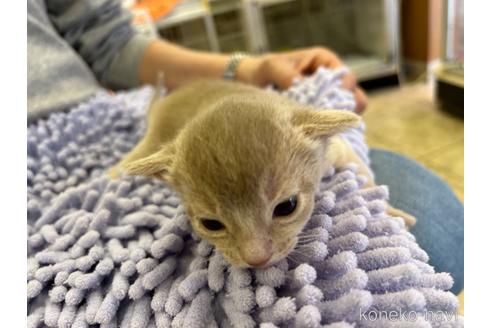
286,207
212,225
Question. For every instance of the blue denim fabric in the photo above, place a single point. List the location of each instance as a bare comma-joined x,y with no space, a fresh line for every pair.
416,190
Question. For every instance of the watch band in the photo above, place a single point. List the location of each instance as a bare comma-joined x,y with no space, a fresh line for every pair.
231,69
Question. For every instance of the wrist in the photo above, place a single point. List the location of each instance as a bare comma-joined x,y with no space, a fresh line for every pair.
248,70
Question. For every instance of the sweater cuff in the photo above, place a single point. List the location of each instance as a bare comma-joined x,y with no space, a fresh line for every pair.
123,72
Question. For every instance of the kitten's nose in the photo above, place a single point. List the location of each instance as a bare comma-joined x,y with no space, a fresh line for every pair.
258,261
256,251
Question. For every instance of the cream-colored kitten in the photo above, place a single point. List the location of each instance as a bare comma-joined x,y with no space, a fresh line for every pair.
246,163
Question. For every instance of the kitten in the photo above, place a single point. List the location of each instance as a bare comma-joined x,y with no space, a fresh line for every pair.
245,161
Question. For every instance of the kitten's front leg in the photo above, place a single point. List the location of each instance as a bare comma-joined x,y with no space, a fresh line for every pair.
341,153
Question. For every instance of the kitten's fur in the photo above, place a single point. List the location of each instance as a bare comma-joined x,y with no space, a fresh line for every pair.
233,152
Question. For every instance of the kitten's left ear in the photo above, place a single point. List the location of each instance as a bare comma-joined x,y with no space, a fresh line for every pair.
157,165
324,123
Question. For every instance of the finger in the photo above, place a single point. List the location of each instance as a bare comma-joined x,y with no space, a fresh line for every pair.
306,65
282,75
309,60
328,59
349,81
361,100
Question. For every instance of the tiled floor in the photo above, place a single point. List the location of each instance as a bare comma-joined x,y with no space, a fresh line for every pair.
407,121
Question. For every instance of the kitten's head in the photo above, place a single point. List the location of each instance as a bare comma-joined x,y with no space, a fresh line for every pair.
247,172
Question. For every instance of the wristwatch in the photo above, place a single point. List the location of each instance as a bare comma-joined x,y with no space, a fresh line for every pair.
231,69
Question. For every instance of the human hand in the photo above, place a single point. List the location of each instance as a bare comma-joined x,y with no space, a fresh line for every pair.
281,69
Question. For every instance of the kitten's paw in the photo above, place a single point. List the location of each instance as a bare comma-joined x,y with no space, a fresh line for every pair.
409,219
114,172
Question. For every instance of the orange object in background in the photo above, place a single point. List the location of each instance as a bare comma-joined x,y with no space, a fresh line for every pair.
156,8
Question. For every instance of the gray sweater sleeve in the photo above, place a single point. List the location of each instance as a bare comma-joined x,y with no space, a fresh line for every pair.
100,31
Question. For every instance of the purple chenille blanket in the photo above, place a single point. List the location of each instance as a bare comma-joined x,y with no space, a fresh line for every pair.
122,254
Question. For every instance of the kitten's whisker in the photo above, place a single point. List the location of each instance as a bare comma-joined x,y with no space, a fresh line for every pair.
299,249
308,239
307,234
293,259
305,244
296,252
313,236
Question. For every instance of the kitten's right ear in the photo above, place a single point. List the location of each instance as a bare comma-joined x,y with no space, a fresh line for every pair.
157,165
324,123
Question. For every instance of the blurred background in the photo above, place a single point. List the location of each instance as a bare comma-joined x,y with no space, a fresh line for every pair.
407,54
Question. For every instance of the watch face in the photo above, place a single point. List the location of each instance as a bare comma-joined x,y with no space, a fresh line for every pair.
230,72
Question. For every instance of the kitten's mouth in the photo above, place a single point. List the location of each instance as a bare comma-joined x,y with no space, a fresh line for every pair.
276,257
281,255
